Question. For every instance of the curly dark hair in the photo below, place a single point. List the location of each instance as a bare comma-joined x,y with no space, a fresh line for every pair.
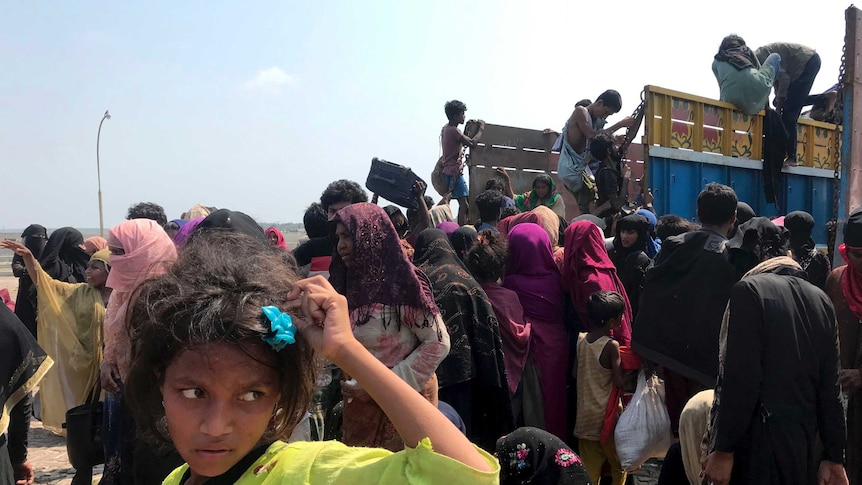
487,258
509,212
214,293
314,221
342,191
454,108
148,210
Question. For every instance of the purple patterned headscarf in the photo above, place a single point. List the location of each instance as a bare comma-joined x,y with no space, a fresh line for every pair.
379,270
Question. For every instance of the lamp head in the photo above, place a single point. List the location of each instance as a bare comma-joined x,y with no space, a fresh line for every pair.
107,115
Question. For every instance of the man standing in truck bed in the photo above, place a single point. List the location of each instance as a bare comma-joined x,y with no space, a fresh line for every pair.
583,125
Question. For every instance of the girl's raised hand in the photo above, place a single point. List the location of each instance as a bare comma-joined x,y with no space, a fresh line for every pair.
321,315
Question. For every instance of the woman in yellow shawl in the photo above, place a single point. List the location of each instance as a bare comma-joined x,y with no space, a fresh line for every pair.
69,322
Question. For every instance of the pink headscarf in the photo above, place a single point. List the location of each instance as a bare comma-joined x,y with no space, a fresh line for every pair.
279,236
94,244
533,274
508,223
149,252
587,268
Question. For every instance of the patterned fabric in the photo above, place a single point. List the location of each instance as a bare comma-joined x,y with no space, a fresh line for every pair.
740,57
22,364
379,272
531,456
476,352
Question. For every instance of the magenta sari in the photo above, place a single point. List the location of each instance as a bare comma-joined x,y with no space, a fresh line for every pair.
533,275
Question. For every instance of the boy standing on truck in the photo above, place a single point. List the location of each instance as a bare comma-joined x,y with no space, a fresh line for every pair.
452,140
583,125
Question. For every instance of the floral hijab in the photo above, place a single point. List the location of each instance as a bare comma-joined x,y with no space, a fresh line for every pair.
531,456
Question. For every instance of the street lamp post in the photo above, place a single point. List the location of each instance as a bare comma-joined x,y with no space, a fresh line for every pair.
107,116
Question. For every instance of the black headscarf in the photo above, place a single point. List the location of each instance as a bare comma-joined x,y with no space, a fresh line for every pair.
756,241
34,238
853,230
231,221
462,239
22,363
632,222
532,456
594,219
800,224
63,259
476,352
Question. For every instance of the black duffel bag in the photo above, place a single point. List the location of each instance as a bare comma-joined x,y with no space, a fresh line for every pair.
84,432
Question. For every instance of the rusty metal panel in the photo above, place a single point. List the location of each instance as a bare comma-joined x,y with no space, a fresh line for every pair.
508,136
511,158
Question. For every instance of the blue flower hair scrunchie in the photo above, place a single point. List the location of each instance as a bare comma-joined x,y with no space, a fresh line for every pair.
282,330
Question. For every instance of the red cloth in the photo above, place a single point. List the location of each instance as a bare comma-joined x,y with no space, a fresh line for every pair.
280,242
587,268
514,331
629,361
7,299
851,284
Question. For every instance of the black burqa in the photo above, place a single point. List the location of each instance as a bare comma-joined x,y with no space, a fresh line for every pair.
473,376
778,389
34,238
755,241
815,263
682,303
632,262
63,259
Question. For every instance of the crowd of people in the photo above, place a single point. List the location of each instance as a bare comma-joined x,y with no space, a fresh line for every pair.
420,346
514,337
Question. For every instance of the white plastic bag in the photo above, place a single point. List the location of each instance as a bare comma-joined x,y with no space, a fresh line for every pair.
643,430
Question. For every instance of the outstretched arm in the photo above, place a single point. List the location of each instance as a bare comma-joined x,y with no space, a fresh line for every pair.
29,260
322,317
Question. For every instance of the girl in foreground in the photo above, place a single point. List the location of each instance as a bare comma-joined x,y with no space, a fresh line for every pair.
226,374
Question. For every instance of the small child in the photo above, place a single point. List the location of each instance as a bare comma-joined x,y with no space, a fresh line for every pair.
597,369
219,372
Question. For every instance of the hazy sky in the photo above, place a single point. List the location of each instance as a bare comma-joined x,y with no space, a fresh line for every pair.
256,106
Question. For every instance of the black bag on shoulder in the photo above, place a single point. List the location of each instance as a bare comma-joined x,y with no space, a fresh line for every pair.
84,432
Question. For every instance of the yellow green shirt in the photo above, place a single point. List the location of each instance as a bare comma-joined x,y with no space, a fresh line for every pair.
333,463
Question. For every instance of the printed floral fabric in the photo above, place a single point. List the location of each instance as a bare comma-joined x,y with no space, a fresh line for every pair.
534,456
